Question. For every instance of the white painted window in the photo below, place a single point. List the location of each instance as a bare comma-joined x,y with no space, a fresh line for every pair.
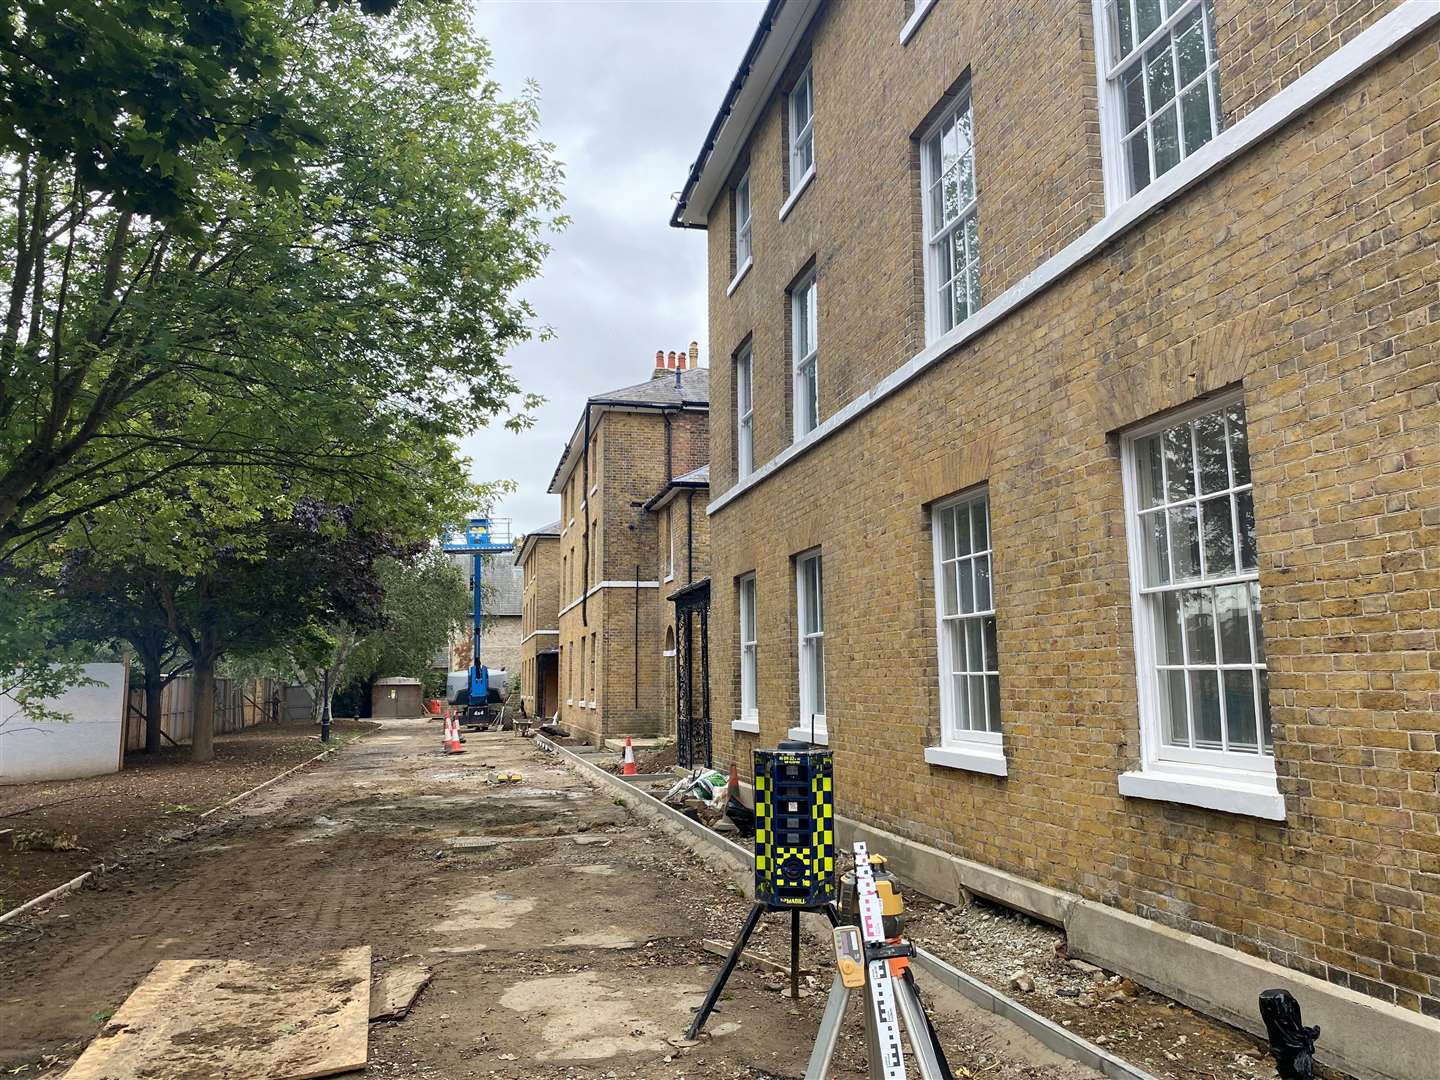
1160,87
744,412
594,651
669,543
810,604
952,220
583,671
749,697
965,614
742,223
1204,696
802,130
805,353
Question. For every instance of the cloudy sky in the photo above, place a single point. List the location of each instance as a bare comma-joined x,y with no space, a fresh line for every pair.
628,90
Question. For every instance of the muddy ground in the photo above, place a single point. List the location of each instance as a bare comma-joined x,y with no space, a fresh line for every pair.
61,828
565,934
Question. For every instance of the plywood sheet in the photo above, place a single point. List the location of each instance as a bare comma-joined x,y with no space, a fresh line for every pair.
223,1019
393,992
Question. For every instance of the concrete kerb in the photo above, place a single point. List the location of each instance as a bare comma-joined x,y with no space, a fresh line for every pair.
734,857
76,882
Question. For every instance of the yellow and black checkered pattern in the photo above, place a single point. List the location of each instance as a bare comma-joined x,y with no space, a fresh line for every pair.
794,828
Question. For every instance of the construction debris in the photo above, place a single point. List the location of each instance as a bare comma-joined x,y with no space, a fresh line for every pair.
394,990
256,1022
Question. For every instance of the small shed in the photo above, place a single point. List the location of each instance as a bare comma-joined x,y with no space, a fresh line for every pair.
396,697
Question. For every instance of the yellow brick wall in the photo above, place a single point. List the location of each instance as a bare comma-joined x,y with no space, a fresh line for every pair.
540,605
1304,272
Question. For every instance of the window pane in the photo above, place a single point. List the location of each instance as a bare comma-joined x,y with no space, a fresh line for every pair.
1137,152
1256,625
1120,24
961,695
1239,444
1159,75
972,253
1179,465
1205,700
819,673
1167,141
977,702
1219,537
955,644
1172,704
967,588
992,686
974,657
1199,625
965,183
946,305
1133,82
992,650
983,599
1184,543
1169,649
1147,470
1190,47
1210,453
1152,540
980,524
1195,110
1147,16
949,588
945,518
1266,735
1245,515
1232,610
1240,710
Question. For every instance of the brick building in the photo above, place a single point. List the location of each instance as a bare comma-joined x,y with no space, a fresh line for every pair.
1077,472
538,558
627,446
500,636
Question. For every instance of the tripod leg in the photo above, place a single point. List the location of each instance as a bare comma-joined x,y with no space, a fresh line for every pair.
795,955
923,1037
713,995
829,1036
832,915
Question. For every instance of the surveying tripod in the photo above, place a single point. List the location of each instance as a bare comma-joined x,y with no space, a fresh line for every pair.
869,954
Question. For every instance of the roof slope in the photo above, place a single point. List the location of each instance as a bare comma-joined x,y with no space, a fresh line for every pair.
694,389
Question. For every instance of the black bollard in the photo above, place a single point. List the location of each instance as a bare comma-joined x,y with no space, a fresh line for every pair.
1292,1044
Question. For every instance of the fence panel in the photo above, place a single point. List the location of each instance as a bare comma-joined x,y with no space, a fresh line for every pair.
237,706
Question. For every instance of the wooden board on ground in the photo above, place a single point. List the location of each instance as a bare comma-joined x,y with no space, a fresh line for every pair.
213,1019
396,989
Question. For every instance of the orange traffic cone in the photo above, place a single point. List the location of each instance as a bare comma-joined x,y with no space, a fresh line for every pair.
452,741
628,766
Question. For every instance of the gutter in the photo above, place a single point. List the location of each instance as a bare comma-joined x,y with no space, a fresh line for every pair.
757,42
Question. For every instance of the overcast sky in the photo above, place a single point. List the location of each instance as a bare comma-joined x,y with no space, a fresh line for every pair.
628,90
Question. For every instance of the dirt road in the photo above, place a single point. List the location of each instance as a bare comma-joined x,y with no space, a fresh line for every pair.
565,934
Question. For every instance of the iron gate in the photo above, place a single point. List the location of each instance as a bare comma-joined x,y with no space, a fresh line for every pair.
692,697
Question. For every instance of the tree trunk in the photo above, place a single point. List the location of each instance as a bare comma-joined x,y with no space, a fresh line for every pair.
325,709
154,694
202,735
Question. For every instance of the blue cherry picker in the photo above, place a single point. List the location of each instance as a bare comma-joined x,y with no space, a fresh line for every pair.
479,694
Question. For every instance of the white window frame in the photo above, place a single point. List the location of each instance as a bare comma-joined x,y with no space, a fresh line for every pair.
978,749
805,367
964,226
810,649
744,237
802,134
1111,69
670,543
749,718
1236,781
745,411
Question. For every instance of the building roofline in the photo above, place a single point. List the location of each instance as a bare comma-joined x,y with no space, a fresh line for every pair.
781,26
603,405
530,540
673,488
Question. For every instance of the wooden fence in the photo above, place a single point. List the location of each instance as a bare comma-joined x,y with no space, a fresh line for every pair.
237,706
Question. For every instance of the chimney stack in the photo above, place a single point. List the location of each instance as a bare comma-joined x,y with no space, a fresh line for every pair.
659,364
694,354
680,360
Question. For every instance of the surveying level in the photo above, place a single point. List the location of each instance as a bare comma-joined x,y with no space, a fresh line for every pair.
794,853
794,827
874,954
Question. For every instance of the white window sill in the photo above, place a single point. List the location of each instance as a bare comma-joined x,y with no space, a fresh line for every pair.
751,727
979,758
569,701
594,489
667,652
739,276
1253,795
669,578
922,8
796,192
593,705
802,734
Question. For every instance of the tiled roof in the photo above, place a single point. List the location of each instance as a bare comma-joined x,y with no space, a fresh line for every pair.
694,389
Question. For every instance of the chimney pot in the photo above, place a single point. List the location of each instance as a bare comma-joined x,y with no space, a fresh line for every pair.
659,364
694,354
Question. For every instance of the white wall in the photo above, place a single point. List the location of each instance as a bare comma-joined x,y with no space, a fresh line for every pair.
88,745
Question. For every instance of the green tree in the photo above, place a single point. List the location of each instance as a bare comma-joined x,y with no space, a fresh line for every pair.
315,327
